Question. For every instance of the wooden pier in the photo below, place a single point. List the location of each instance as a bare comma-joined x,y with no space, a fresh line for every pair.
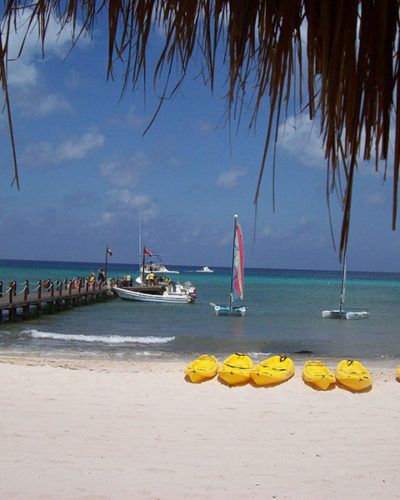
49,296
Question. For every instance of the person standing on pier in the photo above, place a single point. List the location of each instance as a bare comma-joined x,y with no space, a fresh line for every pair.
102,276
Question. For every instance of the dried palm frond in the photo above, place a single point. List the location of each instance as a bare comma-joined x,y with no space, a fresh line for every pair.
352,58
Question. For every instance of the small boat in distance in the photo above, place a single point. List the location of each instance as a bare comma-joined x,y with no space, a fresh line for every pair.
237,277
205,269
342,312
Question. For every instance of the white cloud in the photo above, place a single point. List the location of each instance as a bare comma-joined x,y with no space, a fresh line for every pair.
44,153
51,103
125,202
132,200
22,74
22,69
107,217
301,139
206,127
230,178
134,118
143,203
78,149
301,230
43,106
275,233
126,173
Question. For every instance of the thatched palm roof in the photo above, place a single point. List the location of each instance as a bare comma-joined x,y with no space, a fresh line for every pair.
351,56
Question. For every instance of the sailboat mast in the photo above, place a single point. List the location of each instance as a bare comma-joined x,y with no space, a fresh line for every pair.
143,263
140,239
142,255
233,259
343,291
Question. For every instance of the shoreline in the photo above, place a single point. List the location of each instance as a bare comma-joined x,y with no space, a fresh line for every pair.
93,429
121,362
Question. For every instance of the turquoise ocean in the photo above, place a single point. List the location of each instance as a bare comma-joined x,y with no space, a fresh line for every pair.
284,316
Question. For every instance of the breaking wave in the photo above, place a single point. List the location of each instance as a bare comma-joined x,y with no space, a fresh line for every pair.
105,339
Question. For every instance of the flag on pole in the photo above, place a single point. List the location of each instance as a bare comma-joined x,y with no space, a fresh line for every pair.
109,252
147,251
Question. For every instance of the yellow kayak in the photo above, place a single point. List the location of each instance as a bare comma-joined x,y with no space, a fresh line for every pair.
201,369
317,374
398,372
236,369
353,374
273,371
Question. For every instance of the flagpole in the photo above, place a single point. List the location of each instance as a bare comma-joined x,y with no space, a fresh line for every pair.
106,263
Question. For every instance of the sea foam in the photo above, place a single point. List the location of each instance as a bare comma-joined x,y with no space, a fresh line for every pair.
106,339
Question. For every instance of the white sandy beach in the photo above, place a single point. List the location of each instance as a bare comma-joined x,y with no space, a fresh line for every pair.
103,429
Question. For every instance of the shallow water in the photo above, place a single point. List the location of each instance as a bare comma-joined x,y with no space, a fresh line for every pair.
284,316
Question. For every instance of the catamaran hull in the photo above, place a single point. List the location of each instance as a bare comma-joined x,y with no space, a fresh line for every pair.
342,312
148,297
337,314
357,314
229,311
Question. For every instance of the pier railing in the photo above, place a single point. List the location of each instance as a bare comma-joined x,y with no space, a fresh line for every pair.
60,293
48,288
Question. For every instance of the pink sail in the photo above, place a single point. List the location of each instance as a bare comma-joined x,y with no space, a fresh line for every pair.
238,264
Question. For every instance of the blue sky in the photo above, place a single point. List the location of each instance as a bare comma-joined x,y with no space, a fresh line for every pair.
87,171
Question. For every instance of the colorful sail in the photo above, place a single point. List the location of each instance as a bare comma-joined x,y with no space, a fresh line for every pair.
238,264
237,276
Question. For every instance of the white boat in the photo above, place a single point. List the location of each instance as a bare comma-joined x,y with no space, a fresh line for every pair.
155,265
155,286
177,295
343,312
158,268
237,277
205,269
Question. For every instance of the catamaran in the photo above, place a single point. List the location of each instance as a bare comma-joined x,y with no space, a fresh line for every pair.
237,277
342,312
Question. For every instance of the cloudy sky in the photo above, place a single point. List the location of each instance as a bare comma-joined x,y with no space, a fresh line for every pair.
87,171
